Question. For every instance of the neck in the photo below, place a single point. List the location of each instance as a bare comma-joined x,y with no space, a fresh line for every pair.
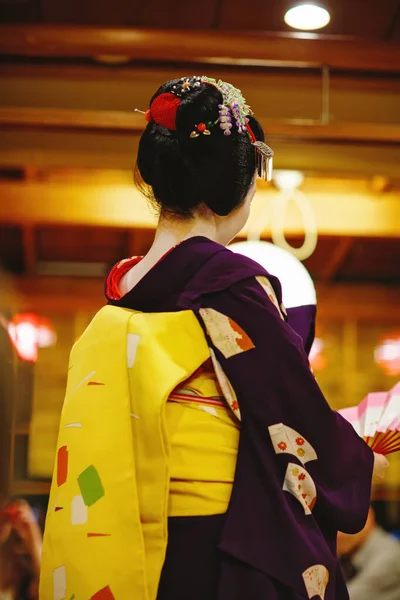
171,232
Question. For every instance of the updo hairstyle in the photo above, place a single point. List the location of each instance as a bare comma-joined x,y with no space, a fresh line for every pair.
178,173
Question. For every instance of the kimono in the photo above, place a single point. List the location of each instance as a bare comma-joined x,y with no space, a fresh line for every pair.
302,473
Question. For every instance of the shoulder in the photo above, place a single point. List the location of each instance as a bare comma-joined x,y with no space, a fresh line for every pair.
224,257
225,268
224,274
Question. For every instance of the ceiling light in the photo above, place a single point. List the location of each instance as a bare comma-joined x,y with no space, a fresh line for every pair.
307,16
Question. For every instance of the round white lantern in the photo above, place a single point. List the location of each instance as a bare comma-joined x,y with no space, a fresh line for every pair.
297,286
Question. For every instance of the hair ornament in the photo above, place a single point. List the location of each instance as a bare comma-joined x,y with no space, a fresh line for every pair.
163,111
146,114
233,106
264,160
225,119
202,129
186,85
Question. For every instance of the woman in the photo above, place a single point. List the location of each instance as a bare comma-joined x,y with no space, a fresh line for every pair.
230,438
20,550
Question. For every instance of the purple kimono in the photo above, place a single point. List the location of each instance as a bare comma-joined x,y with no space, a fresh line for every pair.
302,472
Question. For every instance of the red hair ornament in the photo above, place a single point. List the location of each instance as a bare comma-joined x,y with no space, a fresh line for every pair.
163,111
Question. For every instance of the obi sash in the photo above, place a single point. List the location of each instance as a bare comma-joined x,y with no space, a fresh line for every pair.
106,535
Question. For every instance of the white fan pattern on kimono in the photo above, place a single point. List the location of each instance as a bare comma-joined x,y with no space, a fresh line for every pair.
316,579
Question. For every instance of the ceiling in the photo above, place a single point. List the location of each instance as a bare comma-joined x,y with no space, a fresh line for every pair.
65,105
361,18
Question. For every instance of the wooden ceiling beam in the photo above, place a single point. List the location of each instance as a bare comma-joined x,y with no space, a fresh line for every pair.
201,47
125,122
93,71
71,119
340,209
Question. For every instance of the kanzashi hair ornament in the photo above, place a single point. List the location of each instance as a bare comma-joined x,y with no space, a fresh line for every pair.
225,119
240,118
233,106
264,160
202,129
186,85
146,114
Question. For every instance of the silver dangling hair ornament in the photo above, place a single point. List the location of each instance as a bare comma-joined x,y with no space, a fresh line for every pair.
264,160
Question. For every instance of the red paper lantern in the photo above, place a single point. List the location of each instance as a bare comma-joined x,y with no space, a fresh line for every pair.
29,332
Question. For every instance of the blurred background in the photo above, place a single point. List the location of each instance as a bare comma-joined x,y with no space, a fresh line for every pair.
71,75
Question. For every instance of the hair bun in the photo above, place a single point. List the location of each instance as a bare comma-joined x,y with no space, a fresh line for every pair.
180,173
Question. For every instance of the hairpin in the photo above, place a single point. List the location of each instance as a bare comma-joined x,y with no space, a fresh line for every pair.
185,85
203,128
146,114
264,160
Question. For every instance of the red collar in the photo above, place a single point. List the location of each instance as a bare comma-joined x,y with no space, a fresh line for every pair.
116,274
118,271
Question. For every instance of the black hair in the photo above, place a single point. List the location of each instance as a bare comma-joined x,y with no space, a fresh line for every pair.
178,173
